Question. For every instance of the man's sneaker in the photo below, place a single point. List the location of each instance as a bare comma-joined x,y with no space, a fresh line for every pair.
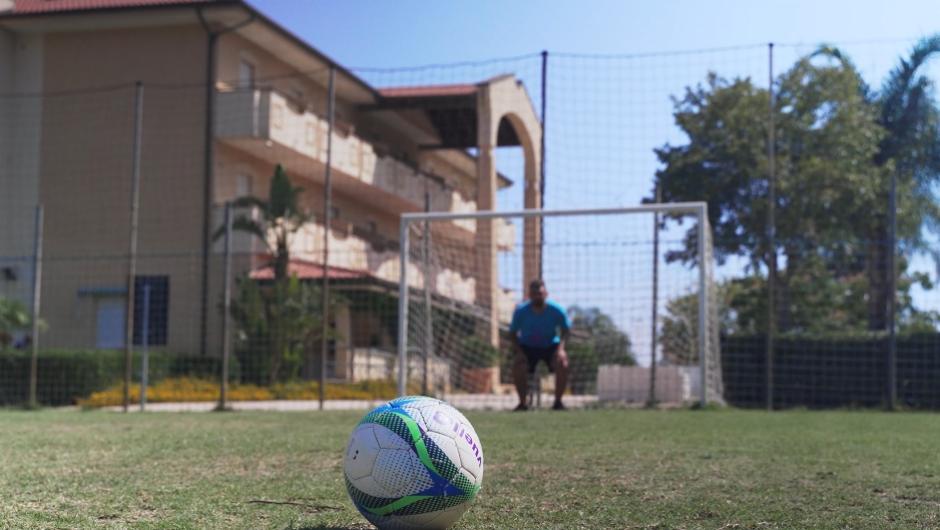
521,407
559,406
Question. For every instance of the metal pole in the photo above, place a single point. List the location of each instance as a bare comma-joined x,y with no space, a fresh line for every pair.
655,310
771,235
702,304
226,308
892,300
428,321
327,220
145,341
132,251
541,220
37,292
403,309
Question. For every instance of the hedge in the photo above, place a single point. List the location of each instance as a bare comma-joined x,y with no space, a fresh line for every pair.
64,376
820,372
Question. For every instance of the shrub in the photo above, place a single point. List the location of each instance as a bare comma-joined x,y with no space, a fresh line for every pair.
190,389
64,376
176,389
477,353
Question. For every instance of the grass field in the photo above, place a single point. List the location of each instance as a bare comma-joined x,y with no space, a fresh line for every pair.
591,469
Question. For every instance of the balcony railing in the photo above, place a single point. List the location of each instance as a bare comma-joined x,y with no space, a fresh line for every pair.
267,117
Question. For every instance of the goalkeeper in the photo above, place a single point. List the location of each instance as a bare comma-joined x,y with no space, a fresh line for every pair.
538,331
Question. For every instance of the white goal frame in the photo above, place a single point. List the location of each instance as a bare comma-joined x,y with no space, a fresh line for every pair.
697,209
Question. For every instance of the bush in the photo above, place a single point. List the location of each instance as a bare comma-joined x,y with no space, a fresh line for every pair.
174,390
64,376
189,389
477,353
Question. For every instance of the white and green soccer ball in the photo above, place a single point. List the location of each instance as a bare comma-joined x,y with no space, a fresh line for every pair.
413,463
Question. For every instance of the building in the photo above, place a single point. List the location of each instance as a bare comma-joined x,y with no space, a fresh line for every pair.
226,94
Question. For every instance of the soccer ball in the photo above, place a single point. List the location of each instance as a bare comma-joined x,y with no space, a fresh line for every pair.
413,463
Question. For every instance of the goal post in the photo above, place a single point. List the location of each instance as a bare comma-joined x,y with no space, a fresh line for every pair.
461,274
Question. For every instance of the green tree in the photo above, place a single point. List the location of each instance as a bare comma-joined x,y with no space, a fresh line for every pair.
911,147
594,340
597,331
283,318
838,144
833,306
281,216
276,325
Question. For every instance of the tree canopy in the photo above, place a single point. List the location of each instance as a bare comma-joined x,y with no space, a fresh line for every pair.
838,144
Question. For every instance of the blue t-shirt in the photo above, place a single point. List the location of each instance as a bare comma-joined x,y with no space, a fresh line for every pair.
539,330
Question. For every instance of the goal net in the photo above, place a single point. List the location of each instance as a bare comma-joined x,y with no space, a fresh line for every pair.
636,284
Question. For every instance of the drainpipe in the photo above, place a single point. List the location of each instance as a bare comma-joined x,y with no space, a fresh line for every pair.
208,183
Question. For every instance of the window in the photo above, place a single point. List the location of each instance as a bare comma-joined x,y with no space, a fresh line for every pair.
334,213
151,309
242,185
246,74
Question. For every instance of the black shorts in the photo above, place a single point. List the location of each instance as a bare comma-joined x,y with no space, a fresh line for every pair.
534,354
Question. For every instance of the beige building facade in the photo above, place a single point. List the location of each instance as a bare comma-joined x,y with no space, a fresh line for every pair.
226,96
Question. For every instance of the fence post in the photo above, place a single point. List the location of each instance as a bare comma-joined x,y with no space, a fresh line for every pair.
403,309
327,220
703,304
892,371
37,295
144,343
651,401
226,309
541,221
132,251
771,234
428,316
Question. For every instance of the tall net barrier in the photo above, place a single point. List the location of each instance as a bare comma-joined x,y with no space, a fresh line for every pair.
466,275
100,249
304,303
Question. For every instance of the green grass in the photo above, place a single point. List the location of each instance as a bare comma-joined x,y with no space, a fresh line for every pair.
592,469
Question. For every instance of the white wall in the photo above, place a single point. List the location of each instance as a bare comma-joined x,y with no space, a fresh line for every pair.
630,384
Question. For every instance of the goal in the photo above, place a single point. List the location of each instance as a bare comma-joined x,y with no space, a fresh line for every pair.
636,283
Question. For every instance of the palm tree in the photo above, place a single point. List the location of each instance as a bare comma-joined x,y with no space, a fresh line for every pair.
911,120
265,315
910,148
281,218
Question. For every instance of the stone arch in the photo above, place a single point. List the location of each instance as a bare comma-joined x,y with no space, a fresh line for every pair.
505,112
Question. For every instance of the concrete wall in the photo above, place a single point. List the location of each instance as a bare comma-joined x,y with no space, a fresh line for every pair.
21,111
86,154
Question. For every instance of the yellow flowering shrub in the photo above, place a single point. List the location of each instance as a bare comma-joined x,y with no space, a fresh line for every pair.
189,389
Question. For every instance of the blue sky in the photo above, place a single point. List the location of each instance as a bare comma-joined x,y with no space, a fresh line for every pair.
408,32
612,71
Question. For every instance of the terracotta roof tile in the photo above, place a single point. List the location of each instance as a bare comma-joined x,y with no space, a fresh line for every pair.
305,270
23,7
428,91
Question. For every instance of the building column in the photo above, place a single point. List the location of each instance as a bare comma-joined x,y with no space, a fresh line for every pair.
532,232
487,288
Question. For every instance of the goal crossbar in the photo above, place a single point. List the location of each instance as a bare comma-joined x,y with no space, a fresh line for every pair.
680,207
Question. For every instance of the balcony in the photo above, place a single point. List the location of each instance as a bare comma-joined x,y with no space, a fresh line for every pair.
269,126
